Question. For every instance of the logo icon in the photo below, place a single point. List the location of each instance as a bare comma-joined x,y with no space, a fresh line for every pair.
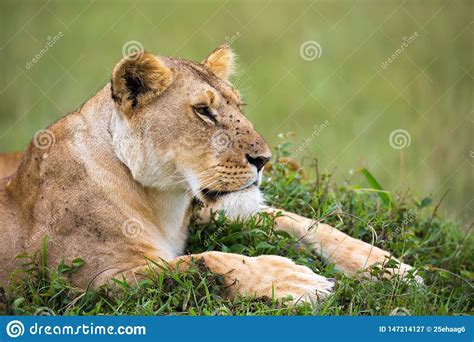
44,139
310,50
221,140
132,50
15,329
132,228
399,139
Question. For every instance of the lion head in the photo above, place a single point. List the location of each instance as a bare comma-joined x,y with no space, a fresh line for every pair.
178,125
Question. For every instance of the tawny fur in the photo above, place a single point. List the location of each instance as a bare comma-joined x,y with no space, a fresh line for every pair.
9,163
221,61
118,183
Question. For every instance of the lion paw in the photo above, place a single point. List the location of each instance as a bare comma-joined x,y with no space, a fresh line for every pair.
281,278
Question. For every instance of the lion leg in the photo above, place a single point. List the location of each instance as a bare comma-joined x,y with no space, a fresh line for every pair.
348,254
264,276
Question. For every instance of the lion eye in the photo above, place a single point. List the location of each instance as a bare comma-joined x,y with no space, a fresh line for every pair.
205,112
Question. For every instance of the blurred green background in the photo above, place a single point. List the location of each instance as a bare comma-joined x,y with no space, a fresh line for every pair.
426,90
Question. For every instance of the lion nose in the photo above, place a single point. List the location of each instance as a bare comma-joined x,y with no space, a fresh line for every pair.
259,161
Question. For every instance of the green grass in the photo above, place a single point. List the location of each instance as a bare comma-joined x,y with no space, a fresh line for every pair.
409,227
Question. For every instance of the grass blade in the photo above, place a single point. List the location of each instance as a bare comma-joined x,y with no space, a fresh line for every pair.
384,195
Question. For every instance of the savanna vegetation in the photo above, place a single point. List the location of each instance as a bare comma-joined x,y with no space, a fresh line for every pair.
407,226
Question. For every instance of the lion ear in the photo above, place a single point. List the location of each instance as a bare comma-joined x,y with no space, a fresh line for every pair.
221,62
137,79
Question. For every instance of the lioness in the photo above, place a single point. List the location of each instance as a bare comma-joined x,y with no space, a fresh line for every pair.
115,183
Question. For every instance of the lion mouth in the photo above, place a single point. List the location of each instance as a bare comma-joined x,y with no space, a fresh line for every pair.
213,195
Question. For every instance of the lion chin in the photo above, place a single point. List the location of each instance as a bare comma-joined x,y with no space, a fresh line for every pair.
240,205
